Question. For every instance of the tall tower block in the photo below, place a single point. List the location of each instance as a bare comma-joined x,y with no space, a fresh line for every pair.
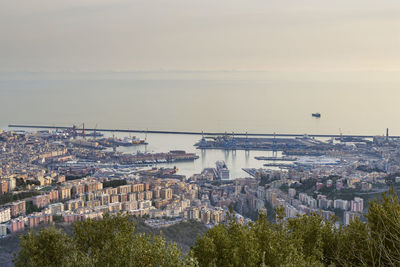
387,134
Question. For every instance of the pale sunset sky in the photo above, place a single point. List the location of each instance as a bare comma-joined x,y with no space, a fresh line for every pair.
129,35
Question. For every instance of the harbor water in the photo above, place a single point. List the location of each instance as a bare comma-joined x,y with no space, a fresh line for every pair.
234,159
281,102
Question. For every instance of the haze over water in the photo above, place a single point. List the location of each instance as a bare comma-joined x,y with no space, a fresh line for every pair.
256,102
282,102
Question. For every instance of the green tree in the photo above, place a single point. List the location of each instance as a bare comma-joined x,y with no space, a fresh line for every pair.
256,244
48,247
306,240
102,238
302,241
352,246
110,241
384,229
375,242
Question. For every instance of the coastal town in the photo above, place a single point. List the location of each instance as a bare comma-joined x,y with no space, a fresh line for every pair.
50,177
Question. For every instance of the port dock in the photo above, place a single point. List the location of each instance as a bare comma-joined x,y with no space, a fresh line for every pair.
195,133
280,165
276,158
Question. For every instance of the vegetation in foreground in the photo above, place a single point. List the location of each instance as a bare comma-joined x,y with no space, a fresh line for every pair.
302,241
11,197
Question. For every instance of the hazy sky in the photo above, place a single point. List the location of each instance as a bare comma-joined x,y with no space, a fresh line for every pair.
121,35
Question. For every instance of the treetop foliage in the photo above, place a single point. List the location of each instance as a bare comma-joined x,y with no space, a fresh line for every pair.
114,183
111,241
306,240
302,241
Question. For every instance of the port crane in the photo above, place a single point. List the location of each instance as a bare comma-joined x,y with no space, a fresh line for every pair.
94,132
75,129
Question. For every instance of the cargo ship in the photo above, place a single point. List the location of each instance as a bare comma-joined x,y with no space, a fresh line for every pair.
126,141
316,115
129,141
221,170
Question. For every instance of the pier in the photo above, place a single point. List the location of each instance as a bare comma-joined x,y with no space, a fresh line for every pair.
196,133
276,158
280,165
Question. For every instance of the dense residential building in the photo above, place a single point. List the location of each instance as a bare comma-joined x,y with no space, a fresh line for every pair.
341,204
4,187
357,205
16,225
39,218
64,193
41,201
3,229
18,208
166,193
56,208
5,215
78,180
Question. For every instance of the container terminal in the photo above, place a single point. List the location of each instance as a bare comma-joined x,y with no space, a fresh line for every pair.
251,143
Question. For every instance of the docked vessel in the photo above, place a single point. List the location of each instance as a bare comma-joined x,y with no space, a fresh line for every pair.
129,141
222,171
94,134
126,141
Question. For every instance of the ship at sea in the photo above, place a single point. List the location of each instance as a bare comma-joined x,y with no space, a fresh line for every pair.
316,115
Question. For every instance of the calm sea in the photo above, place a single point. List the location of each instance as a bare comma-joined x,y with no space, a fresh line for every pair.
281,102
